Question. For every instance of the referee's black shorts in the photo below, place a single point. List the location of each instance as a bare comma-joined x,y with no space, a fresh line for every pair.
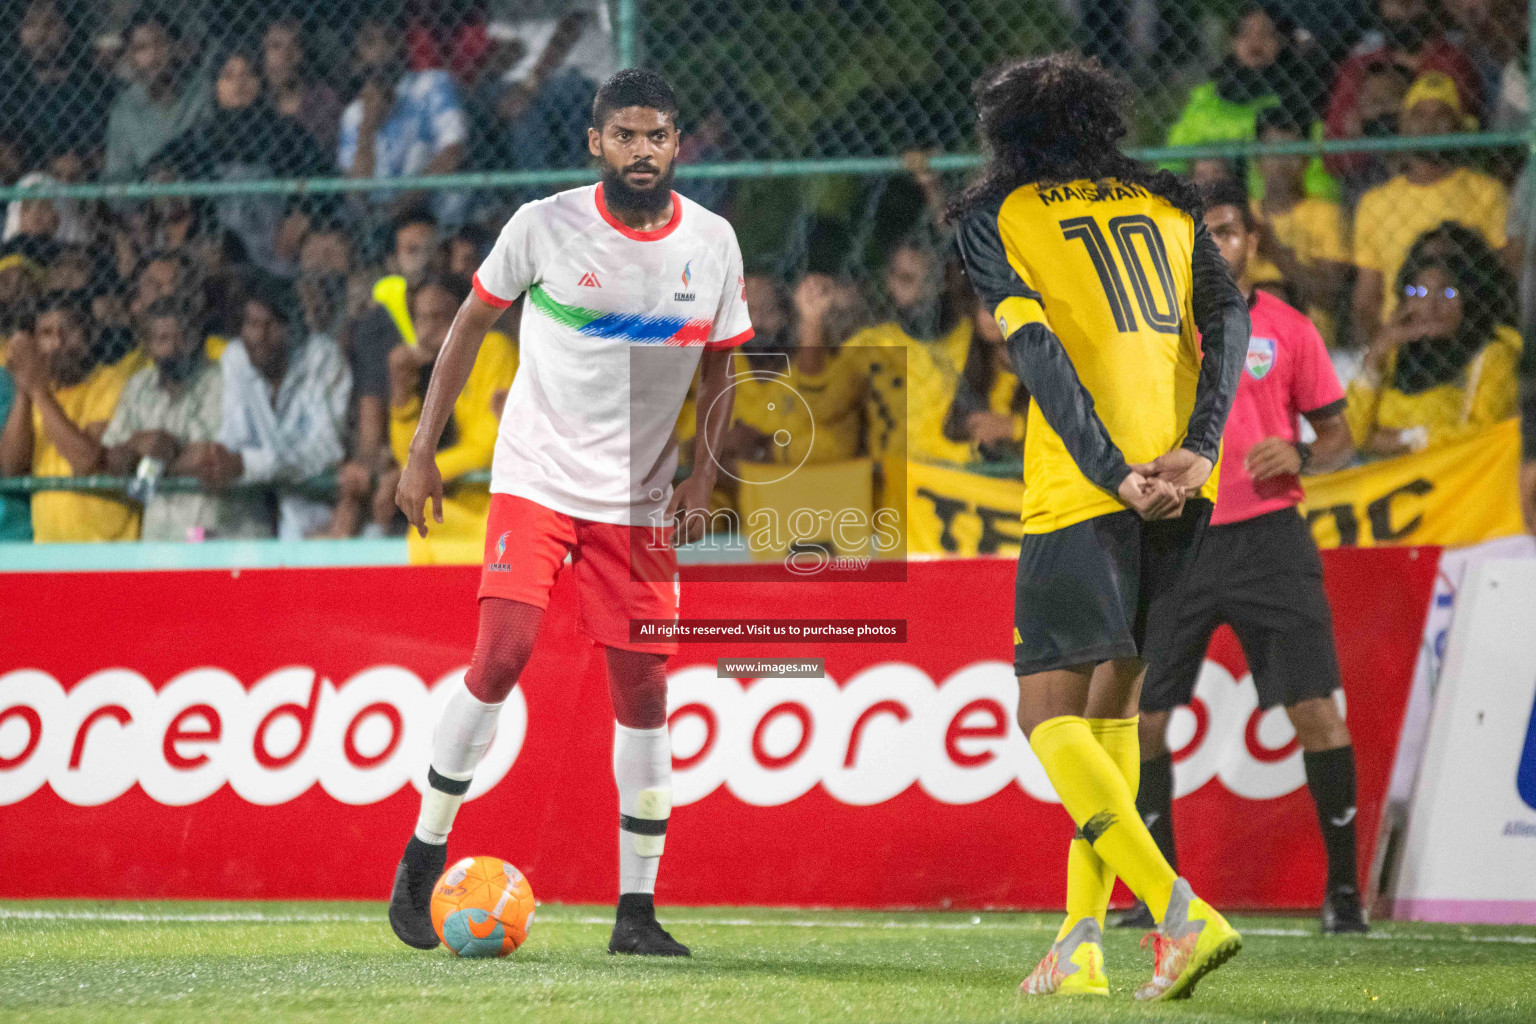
1084,593
1263,577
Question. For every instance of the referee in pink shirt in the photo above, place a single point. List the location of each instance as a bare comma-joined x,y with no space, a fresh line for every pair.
1259,572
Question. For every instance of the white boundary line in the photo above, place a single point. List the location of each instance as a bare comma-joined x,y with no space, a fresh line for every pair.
257,917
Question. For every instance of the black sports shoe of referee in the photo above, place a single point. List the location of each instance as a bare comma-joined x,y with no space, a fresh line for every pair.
1258,571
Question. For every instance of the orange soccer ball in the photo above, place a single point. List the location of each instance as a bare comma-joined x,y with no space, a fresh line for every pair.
482,906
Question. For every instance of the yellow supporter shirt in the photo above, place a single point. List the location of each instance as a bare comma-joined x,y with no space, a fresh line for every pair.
1393,215
76,516
1108,269
818,413
910,387
475,425
1314,230
1485,393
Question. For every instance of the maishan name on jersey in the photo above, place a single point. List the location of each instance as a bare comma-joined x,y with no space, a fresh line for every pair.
1091,192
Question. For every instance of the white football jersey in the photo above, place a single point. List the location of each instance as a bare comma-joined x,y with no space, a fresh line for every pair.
612,329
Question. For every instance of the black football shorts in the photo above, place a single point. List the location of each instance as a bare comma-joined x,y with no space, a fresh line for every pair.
1263,577
1084,593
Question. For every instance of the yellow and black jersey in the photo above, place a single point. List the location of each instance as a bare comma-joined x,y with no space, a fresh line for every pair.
1099,289
911,384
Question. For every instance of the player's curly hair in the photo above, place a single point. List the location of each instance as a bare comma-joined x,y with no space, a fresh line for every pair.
1057,119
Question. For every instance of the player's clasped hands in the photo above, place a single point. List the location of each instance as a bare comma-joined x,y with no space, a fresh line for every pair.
1157,489
1150,497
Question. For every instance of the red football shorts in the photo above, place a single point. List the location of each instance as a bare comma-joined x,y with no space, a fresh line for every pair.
621,572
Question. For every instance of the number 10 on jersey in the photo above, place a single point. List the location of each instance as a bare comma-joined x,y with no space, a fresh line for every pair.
1126,231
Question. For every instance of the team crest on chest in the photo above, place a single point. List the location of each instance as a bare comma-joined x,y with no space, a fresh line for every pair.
1261,357
685,295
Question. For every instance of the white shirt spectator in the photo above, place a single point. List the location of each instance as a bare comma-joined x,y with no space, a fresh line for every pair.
426,119
288,437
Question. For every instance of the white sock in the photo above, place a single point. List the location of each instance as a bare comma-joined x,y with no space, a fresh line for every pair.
464,733
642,766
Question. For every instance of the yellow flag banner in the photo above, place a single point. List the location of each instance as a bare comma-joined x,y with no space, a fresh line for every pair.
1451,495
952,512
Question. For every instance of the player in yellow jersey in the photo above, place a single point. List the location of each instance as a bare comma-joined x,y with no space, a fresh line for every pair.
1099,273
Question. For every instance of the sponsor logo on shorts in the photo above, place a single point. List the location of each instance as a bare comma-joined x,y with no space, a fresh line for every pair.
501,552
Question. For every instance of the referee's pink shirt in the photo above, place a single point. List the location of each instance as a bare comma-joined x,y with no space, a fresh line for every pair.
1287,374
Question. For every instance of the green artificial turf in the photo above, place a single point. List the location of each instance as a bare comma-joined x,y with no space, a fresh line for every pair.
233,962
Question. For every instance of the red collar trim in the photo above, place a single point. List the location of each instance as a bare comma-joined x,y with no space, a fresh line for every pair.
640,236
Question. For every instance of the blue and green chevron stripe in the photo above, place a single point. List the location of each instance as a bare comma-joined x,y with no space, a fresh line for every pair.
643,328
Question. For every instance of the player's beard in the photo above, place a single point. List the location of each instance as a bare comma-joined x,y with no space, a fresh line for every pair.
620,194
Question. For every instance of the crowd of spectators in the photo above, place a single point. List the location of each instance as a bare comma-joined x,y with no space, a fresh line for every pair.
1355,238
266,341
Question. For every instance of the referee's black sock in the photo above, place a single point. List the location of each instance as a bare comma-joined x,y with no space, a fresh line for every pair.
1331,778
1154,802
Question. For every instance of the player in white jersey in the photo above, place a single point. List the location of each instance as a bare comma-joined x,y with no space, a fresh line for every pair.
630,289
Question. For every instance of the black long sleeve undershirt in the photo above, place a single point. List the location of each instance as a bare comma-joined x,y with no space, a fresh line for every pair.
1042,364
1221,314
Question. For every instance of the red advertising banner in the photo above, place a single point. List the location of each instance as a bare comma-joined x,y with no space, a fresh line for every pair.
264,734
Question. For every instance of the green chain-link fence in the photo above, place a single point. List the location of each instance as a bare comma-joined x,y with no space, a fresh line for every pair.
178,146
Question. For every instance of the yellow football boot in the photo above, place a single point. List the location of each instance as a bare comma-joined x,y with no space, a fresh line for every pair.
1073,967
1192,941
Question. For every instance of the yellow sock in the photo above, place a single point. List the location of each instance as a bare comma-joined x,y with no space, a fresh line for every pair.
1089,883
1095,793
1089,880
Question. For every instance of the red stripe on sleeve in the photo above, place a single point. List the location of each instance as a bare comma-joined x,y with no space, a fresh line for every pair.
486,296
732,341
